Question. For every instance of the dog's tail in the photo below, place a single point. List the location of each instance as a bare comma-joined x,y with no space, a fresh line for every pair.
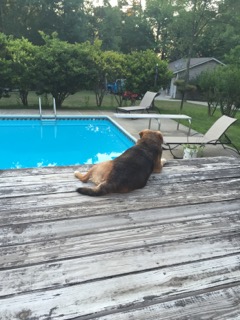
99,190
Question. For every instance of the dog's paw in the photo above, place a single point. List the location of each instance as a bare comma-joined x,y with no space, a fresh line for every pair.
163,161
77,174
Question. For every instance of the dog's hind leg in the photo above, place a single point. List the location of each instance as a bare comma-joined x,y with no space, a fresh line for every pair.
100,190
83,177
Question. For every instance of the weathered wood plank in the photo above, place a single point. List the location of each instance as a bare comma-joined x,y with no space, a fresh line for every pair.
85,269
63,247
44,201
217,305
60,177
25,233
63,183
40,171
33,184
191,192
121,214
169,174
118,292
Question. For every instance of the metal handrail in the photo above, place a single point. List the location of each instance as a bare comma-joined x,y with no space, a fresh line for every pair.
54,108
40,108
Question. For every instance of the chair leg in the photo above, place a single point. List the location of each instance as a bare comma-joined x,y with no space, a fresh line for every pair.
233,148
168,148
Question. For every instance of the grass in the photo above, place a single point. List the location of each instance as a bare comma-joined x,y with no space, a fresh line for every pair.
85,100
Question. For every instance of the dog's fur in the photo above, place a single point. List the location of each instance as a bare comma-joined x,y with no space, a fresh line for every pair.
130,170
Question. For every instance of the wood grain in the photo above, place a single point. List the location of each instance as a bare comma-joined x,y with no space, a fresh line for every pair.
168,251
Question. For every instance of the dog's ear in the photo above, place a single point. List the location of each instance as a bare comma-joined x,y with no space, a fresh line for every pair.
160,136
141,133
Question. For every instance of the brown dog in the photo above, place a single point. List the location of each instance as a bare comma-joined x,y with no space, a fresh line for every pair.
130,170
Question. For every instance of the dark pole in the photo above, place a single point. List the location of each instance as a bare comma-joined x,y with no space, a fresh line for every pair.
156,75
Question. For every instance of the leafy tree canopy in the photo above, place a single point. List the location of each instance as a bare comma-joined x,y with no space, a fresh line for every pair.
233,57
172,28
145,71
5,65
22,53
221,88
61,68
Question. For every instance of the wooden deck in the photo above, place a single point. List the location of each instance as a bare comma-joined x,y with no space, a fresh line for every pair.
168,251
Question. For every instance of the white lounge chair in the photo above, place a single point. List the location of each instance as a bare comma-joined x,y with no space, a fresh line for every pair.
211,137
146,104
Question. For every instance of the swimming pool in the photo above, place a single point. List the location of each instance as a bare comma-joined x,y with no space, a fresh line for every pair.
29,142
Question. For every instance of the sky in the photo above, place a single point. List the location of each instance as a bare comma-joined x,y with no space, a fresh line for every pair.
114,2
100,2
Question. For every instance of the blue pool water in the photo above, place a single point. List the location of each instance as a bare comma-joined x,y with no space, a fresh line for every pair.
28,143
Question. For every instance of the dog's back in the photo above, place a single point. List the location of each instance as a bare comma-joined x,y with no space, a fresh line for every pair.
132,169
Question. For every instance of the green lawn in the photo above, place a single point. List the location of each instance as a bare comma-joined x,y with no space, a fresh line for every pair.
85,100
81,100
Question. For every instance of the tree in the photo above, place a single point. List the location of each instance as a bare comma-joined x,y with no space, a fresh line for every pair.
61,68
96,72
207,82
107,24
161,15
190,24
233,57
22,54
116,69
184,87
228,89
73,21
221,86
26,18
170,27
145,71
5,66
136,30
228,27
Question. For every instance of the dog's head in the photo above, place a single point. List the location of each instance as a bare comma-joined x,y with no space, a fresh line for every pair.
154,135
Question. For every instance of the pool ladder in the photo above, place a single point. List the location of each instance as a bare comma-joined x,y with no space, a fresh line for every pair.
47,117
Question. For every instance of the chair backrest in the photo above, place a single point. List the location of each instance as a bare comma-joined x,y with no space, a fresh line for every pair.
147,99
218,128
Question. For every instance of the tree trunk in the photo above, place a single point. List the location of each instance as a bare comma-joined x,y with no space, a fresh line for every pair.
119,99
99,94
24,97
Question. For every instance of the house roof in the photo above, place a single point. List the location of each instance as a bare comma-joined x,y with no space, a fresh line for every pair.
181,64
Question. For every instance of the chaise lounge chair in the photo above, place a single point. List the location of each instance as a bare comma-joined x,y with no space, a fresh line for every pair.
146,104
211,137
